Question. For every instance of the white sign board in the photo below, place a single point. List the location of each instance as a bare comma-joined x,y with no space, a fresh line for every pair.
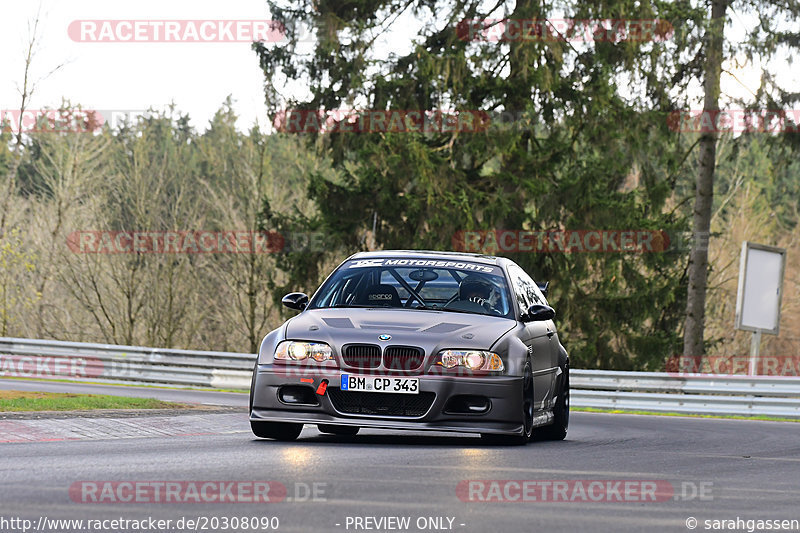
758,302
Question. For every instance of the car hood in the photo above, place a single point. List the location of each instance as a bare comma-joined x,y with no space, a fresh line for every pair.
430,330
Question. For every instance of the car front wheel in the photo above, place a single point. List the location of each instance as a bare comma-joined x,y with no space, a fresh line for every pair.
527,413
558,429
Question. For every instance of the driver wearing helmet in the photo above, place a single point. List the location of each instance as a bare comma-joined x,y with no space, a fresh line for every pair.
477,290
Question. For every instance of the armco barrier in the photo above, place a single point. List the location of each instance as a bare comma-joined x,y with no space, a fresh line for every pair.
687,393
45,359
646,391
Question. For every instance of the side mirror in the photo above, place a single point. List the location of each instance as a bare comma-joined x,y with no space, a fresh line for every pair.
543,287
295,300
539,313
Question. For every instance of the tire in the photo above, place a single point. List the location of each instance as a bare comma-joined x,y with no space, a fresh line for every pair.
338,430
284,431
558,429
527,414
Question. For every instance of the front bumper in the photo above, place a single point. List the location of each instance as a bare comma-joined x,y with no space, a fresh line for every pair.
503,416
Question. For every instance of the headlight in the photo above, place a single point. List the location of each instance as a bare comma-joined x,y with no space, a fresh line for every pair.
300,351
470,359
449,359
474,360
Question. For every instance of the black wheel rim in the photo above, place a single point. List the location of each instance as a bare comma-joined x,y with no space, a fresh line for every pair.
527,399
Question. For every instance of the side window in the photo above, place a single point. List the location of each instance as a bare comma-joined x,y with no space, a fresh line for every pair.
542,299
534,294
519,283
527,287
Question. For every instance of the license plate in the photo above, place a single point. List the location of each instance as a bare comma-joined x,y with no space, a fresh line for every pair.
354,383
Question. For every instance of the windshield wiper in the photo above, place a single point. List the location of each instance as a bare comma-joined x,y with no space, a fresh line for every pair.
451,310
429,308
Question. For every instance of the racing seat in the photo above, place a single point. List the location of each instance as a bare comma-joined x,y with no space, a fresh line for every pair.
381,296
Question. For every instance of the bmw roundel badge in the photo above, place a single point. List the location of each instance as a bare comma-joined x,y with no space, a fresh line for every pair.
384,337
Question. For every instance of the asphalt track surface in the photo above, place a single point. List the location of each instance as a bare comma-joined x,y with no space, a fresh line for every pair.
748,470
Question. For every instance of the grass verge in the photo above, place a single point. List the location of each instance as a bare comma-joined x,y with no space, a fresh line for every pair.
15,401
692,415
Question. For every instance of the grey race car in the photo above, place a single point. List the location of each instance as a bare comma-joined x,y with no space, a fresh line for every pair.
416,340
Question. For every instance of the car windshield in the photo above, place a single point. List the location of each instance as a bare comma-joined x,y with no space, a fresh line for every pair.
456,286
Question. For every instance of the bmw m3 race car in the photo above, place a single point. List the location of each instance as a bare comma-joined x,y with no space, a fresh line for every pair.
415,340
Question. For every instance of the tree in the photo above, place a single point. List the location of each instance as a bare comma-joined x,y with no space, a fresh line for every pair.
704,194
237,174
576,142
764,40
26,92
148,185
58,173
16,264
